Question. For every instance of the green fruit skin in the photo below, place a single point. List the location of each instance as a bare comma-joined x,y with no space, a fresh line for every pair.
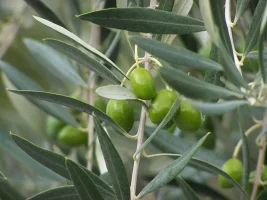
187,117
143,84
210,142
121,112
100,104
72,136
234,168
53,127
161,104
264,173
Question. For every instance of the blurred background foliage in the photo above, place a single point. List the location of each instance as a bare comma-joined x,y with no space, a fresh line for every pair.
23,118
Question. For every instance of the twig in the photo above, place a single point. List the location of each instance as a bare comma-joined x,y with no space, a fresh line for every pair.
153,4
261,156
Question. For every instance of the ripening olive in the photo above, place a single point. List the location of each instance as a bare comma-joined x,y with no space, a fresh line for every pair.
53,126
233,167
72,136
143,84
161,104
121,112
187,117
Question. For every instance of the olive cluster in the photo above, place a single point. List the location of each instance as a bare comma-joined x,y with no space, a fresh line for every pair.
234,168
68,135
187,117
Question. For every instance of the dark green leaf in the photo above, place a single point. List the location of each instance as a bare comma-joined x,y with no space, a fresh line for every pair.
218,12
176,55
230,70
56,163
254,29
44,11
53,62
70,102
114,164
189,193
262,195
217,108
83,184
144,20
79,41
191,86
21,81
255,54
173,170
86,61
7,192
241,6
60,193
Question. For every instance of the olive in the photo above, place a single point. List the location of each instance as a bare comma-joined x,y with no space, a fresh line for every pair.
53,127
73,136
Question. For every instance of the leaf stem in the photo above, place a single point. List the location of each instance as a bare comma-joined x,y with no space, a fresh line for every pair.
153,4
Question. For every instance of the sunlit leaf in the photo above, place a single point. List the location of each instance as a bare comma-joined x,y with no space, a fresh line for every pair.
114,164
144,20
182,7
173,170
83,184
176,55
56,64
21,81
79,41
115,92
85,60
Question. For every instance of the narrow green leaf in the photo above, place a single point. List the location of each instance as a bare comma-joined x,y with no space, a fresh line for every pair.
21,81
121,3
60,193
144,20
173,170
79,41
56,163
219,19
217,108
115,92
176,55
8,192
44,11
230,70
83,184
71,102
254,29
241,6
114,164
53,62
182,7
86,61
245,154
166,119
165,5
189,193
255,54
193,87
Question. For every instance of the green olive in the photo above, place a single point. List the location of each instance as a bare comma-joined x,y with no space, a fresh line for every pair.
210,141
53,126
121,112
72,136
187,117
161,105
143,84
100,104
234,168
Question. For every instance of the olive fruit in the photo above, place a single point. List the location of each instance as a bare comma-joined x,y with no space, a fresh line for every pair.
72,136
233,167
161,104
210,141
100,104
121,112
53,126
142,83
187,117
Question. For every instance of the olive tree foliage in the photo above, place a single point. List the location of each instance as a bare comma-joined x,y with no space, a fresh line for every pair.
211,54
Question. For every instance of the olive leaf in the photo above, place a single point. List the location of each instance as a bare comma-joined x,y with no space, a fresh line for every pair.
187,190
115,92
